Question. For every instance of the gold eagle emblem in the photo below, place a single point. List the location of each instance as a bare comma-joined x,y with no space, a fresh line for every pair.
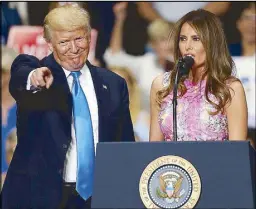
169,187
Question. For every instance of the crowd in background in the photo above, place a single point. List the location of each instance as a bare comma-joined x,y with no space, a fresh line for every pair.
133,41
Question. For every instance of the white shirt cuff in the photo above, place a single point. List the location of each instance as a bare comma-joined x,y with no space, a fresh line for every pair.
28,81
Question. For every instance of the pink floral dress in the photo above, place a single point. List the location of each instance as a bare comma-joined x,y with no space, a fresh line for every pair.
194,123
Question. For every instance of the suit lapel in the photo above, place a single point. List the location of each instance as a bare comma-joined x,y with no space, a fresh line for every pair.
102,95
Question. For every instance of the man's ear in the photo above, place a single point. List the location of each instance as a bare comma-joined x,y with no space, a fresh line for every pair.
50,46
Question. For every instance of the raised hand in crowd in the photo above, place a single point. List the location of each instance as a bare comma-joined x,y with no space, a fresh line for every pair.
120,10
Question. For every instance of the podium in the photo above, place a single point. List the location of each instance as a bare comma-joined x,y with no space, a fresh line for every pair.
226,170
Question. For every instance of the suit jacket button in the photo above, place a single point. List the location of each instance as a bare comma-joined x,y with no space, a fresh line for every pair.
65,146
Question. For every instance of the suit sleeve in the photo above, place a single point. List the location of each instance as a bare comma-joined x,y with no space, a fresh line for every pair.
27,99
126,127
20,70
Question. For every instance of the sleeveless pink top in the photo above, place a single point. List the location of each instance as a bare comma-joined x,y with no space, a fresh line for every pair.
194,123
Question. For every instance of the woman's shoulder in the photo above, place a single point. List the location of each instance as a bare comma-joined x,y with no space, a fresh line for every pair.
235,85
161,81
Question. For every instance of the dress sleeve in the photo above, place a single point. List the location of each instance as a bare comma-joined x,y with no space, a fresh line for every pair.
166,79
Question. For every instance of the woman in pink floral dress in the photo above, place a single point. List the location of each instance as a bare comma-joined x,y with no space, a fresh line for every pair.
211,100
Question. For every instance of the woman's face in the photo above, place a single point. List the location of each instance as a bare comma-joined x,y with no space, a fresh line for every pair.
190,44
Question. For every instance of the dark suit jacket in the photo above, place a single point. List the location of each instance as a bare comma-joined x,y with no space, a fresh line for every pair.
34,178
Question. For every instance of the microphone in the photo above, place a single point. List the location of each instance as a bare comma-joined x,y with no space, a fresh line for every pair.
183,68
185,65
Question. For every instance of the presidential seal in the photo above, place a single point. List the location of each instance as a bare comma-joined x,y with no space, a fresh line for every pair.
170,182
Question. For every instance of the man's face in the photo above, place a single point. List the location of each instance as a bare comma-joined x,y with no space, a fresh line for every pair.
70,48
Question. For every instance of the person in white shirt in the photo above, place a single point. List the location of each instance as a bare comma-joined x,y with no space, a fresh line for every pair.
65,106
246,72
140,117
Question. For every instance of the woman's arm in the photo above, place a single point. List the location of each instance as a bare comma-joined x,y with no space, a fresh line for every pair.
218,8
147,11
155,133
237,113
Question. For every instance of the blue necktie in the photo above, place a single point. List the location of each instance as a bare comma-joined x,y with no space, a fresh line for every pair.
84,139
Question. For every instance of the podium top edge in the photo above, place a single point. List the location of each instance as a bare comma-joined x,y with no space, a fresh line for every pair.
180,142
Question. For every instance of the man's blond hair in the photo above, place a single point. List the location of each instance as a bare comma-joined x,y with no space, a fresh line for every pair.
66,18
159,29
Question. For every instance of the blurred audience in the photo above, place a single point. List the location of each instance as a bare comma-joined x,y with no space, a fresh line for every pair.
217,8
246,26
10,146
229,20
245,67
155,10
8,105
102,20
134,30
22,8
228,12
140,117
172,11
244,57
146,67
9,18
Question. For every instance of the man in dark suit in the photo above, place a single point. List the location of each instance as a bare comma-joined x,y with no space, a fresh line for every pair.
65,106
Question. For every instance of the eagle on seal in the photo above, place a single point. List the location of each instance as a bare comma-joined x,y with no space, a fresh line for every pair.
170,189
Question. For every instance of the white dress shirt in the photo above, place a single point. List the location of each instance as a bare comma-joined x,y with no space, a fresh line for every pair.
85,79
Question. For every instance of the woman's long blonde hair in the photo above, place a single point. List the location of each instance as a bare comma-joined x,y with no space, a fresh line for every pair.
218,64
